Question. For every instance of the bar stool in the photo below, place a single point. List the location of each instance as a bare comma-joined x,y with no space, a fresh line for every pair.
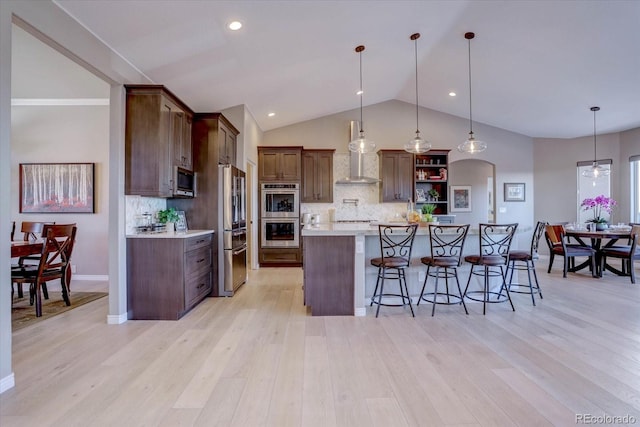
495,242
526,262
396,243
447,242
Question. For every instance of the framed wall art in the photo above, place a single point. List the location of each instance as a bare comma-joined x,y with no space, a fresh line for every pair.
460,200
514,191
57,188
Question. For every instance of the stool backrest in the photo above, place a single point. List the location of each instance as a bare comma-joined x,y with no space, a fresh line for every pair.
396,241
495,239
535,239
447,240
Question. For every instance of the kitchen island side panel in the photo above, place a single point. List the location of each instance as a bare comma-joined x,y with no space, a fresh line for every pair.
328,265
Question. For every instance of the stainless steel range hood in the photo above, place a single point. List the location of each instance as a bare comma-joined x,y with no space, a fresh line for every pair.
356,163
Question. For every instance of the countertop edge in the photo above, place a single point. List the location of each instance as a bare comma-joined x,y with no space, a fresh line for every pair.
174,235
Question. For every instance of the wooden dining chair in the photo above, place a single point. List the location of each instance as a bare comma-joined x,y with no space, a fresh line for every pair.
54,263
13,230
627,253
31,230
555,237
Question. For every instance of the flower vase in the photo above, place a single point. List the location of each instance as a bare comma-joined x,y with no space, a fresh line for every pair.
601,226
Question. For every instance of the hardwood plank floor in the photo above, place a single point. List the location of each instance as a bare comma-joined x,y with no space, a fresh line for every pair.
259,359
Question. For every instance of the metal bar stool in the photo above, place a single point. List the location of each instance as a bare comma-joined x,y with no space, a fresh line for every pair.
447,242
396,242
495,242
526,262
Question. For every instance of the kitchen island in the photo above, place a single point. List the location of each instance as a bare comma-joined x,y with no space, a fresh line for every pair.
338,276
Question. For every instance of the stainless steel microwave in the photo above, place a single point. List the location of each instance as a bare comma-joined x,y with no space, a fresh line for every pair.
184,182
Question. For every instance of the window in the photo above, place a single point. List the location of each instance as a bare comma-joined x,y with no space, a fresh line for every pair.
634,167
589,187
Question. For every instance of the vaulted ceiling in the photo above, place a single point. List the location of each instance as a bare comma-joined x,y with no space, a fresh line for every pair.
537,66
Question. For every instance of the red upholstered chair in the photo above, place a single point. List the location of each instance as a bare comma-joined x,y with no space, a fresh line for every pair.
554,234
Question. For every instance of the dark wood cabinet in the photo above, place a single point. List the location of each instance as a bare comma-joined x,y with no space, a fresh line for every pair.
182,145
277,257
329,275
431,180
317,176
166,277
396,172
157,138
279,163
227,144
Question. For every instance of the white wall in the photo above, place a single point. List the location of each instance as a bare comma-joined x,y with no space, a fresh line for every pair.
473,173
67,134
49,22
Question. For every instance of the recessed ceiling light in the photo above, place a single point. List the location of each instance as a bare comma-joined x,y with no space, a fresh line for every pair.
359,92
452,94
271,114
235,25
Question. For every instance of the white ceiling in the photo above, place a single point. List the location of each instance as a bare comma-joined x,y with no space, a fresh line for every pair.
537,65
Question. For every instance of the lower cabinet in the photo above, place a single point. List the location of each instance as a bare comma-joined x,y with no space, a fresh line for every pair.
166,276
329,275
280,257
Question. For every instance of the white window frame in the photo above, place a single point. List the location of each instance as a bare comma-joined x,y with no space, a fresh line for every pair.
634,186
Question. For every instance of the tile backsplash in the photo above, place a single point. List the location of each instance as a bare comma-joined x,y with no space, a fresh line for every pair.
367,195
135,206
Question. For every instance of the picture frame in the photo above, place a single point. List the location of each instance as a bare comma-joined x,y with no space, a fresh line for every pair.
514,192
57,187
460,198
181,223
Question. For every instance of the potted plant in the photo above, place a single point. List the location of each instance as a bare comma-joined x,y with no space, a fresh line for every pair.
598,204
427,212
433,193
168,217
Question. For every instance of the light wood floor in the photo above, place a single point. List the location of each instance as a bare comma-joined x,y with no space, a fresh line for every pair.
259,359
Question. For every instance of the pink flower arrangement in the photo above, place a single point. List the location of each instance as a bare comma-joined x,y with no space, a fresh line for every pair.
598,204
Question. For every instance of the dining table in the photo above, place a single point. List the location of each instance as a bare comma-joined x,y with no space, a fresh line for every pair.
20,248
610,237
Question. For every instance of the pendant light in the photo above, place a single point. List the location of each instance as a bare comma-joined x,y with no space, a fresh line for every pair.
361,144
596,170
417,145
471,145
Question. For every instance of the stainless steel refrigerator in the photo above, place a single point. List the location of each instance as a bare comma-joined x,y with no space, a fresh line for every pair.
232,224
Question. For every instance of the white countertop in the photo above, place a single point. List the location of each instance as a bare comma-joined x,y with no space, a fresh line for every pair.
366,229
174,235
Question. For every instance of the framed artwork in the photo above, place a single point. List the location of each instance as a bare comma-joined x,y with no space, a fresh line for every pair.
514,192
460,200
57,188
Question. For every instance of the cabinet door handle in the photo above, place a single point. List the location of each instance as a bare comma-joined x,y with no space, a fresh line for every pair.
200,260
201,285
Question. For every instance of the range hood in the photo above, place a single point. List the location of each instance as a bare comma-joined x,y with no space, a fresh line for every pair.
356,162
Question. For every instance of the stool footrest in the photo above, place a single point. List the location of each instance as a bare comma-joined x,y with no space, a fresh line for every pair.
405,300
500,297
434,298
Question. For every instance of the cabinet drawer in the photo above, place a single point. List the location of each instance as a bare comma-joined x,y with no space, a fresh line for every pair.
197,242
197,260
197,288
280,256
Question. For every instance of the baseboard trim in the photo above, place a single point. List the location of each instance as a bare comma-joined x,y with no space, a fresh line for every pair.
93,277
117,319
7,383
360,312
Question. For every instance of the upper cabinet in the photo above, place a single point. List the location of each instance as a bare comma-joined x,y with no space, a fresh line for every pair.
157,138
431,178
215,131
396,172
317,176
279,163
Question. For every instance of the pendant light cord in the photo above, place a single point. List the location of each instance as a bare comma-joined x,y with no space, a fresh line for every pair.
361,94
470,113
416,51
595,158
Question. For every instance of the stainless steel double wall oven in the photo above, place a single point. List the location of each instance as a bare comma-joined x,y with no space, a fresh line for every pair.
280,215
